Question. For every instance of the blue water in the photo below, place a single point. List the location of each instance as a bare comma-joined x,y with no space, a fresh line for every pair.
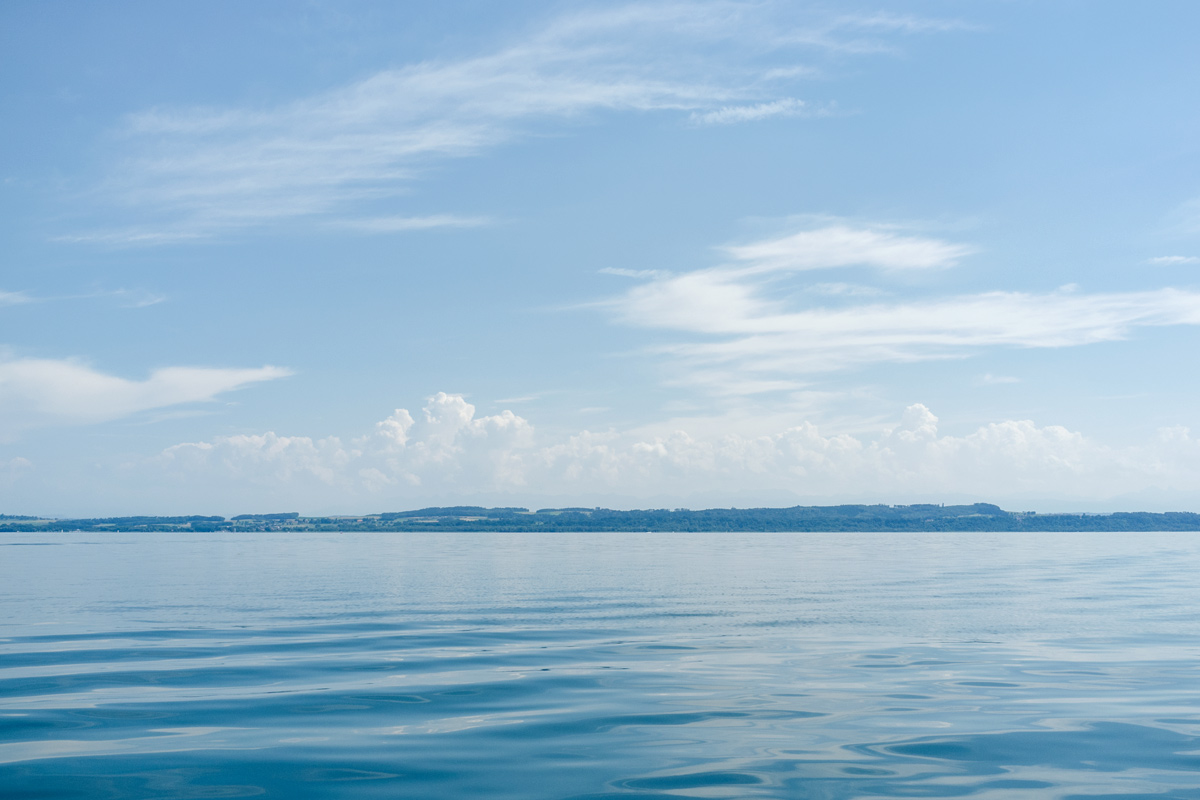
600,665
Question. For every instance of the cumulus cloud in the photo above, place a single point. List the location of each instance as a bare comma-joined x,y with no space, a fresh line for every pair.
192,172
1005,458
446,445
63,392
742,332
13,468
268,457
447,451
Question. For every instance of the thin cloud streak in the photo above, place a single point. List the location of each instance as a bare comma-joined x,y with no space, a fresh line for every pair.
730,115
745,339
133,298
38,391
632,273
131,237
825,340
14,298
988,379
842,246
400,224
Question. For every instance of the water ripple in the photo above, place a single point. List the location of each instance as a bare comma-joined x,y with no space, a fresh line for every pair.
614,666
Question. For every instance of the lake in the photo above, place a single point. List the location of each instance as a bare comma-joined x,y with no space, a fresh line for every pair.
600,665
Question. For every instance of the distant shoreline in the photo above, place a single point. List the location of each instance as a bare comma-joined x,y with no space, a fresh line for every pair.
980,517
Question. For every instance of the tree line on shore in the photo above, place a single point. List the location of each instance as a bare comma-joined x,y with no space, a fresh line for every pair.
843,518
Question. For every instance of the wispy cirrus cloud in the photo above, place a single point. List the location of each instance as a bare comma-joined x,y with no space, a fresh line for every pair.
1168,261
192,172
741,334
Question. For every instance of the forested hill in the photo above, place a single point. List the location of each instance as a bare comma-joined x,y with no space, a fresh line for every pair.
977,517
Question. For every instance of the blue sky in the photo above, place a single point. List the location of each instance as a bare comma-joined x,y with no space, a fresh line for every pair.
352,257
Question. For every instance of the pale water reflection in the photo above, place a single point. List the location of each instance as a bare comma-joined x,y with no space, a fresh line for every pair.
600,665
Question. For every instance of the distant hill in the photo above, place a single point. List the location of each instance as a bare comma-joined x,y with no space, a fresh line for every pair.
880,518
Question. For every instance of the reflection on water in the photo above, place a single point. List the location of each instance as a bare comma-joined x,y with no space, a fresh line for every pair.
600,665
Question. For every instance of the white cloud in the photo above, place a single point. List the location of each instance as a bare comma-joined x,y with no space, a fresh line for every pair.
762,339
729,115
13,468
398,224
194,172
988,379
843,246
268,457
907,23
171,234
131,298
447,445
448,452
1172,260
128,298
394,430
632,273
835,289
64,392
524,398
141,299
741,334
14,298
857,34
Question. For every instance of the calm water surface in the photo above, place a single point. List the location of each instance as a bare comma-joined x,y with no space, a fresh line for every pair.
600,665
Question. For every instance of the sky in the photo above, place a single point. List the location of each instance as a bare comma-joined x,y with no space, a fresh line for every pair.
353,257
